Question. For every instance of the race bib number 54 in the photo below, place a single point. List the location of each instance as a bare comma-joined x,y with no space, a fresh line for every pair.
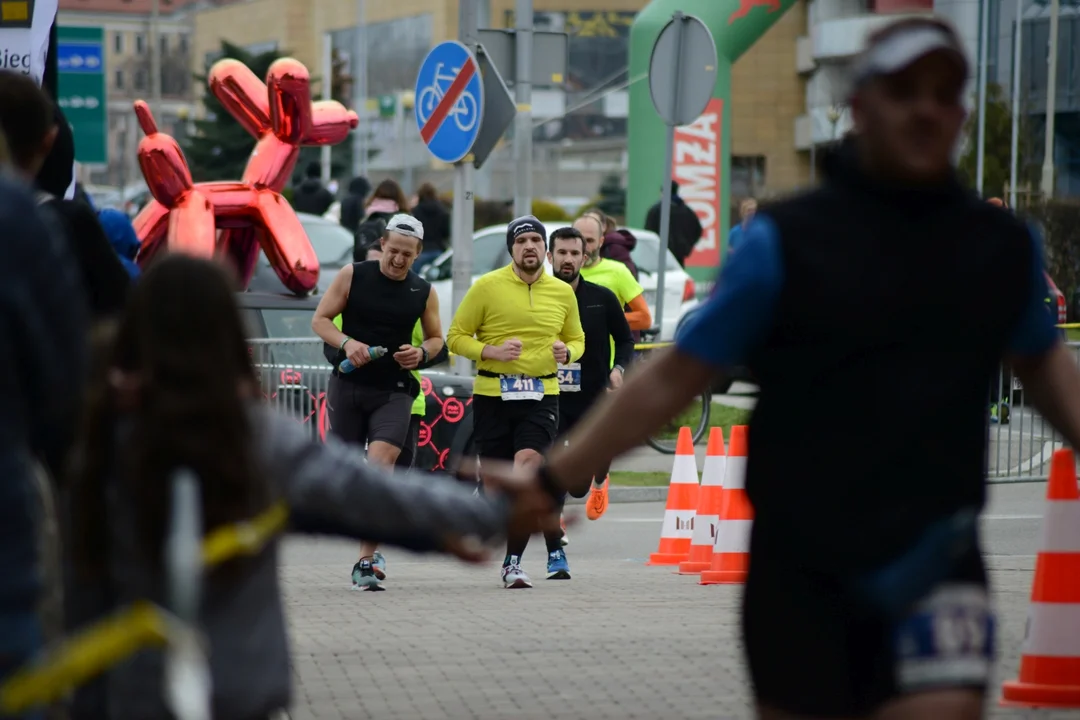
947,639
520,387
569,377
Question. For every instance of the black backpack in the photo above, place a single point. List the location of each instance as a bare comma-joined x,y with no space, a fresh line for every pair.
370,231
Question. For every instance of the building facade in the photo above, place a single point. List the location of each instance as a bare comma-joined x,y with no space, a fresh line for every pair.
127,31
580,136
836,31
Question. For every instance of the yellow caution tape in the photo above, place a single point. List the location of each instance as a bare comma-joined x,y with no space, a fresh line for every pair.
112,640
244,538
82,656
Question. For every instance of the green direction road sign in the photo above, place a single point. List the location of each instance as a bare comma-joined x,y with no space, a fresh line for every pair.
80,58
387,105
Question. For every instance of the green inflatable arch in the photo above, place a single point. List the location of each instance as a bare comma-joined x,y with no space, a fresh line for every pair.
702,158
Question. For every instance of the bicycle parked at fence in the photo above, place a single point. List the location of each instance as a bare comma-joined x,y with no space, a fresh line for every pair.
465,111
696,414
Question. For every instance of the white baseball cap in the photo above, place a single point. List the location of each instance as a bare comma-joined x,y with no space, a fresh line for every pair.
900,45
407,225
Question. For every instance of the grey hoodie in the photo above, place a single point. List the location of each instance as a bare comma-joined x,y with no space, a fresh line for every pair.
329,488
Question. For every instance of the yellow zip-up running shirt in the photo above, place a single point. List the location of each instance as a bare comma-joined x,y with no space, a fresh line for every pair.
500,306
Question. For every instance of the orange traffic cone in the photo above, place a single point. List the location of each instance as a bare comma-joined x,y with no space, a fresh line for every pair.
710,503
681,505
1050,664
731,552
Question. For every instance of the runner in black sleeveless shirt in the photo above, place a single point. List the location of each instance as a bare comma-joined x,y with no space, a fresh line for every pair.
380,302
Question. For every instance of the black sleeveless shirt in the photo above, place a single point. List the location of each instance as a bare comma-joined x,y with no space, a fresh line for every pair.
382,311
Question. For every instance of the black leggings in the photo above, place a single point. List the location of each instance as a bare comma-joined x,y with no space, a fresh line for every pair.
566,423
1001,385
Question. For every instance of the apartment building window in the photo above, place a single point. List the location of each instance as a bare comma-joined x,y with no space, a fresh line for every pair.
140,43
164,39
182,43
140,79
118,42
118,79
747,175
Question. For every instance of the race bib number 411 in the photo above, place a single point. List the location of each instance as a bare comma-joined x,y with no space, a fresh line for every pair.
520,387
947,639
569,377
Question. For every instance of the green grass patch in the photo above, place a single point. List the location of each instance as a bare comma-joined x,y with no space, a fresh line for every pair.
721,416
639,479
1072,334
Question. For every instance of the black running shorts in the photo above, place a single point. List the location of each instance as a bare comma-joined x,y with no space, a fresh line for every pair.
360,414
407,458
502,428
814,651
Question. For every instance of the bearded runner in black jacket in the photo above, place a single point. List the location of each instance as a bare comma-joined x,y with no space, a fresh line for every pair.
866,595
582,382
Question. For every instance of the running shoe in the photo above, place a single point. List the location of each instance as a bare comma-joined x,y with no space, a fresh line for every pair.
378,564
558,568
565,539
513,577
363,577
598,500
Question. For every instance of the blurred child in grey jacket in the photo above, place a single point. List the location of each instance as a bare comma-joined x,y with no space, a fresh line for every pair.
179,390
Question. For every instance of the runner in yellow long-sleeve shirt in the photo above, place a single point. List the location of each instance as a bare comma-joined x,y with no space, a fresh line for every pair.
521,327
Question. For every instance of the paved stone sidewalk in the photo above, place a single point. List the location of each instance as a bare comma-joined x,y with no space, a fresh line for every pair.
621,640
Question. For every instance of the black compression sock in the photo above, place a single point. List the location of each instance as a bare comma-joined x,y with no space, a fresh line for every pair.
554,541
516,546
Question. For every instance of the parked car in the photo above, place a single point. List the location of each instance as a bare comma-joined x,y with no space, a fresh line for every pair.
489,253
1058,299
333,246
294,374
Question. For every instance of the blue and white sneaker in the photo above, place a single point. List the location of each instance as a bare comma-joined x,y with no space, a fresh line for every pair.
558,568
363,577
378,564
513,577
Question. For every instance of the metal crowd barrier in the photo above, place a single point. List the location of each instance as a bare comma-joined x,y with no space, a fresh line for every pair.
1020,450
294,378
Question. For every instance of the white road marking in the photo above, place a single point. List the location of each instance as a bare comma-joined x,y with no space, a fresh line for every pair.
993,518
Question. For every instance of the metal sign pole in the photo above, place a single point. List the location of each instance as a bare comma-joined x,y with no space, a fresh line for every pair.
359,90
463,212
523,147
327,94
669,159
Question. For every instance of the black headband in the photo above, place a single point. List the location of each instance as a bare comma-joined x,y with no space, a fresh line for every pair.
522,225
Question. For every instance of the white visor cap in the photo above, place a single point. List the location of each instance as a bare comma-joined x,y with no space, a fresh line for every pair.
903,47
407,225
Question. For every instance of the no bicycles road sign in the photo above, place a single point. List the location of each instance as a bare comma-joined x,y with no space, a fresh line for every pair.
449,101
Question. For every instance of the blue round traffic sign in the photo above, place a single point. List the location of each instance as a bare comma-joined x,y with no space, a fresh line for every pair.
449,101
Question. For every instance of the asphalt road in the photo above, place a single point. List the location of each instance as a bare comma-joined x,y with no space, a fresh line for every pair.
620,640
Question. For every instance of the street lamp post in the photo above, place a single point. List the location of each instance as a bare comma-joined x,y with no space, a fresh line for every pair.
835,113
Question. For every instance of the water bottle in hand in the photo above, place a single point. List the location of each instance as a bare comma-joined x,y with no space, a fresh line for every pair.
375,353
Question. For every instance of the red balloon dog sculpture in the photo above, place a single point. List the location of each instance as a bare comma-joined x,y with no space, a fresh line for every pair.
186,217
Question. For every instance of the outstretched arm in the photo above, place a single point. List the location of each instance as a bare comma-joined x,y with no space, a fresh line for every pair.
719,335
330,489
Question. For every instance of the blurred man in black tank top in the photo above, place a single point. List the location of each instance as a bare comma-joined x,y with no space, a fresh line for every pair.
380,302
